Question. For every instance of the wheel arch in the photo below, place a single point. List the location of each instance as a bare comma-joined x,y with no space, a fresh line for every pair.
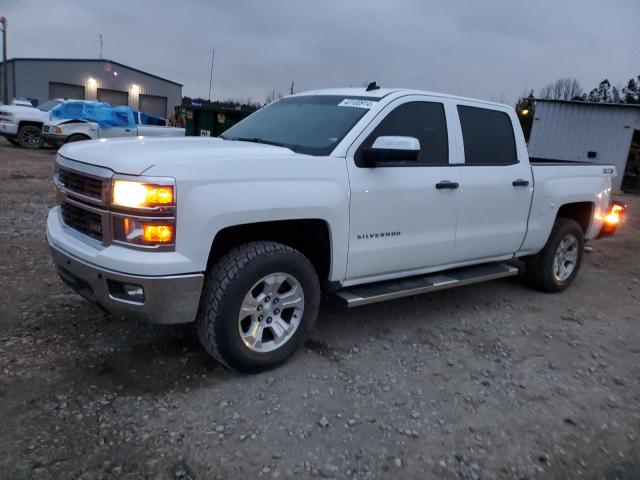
310,236
581,212
29,123
79,136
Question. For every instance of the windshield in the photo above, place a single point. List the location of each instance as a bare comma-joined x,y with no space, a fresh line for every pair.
45,107
312,124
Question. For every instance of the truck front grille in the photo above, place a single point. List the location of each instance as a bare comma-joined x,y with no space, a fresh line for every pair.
84,221
82,184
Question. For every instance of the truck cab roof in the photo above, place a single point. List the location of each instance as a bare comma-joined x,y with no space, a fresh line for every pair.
393,93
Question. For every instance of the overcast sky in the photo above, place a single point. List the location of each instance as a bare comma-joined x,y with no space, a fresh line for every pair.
492,49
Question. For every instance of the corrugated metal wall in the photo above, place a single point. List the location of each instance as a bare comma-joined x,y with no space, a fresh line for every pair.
567,131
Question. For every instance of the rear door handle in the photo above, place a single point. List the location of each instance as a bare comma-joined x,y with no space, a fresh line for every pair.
447,184
520,183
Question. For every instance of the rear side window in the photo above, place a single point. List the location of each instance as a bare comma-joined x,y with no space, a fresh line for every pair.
422,120
488,137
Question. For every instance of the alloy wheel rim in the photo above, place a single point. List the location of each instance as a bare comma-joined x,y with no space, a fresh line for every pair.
566,258
30,138
271,312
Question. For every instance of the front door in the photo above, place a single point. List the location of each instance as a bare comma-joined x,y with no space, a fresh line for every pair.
399,220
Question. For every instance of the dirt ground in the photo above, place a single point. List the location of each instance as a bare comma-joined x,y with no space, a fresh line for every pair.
492,381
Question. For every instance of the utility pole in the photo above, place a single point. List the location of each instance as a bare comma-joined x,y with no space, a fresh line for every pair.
291,91
101,47
213,53
5,67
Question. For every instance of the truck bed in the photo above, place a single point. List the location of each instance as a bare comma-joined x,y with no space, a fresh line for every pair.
562,182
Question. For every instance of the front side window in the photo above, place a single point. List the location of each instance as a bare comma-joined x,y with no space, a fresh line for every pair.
425,121
311,124
488,137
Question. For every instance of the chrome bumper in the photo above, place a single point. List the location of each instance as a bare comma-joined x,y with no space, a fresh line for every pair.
167,299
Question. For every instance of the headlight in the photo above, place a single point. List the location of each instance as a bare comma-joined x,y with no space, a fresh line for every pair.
137,194
144,211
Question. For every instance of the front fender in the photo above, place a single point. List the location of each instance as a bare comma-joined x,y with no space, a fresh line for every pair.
272,190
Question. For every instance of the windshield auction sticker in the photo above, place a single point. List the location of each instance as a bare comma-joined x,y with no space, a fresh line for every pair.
357,102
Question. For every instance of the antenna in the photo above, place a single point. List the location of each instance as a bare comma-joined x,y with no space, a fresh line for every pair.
213,53
373,86
291,87
101,47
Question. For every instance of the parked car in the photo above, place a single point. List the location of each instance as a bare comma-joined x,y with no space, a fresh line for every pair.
22,125
370,194
77,121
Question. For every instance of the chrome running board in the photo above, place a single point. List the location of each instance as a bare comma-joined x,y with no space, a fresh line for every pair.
406,287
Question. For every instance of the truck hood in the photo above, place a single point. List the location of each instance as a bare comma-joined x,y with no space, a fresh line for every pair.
133,156
19,109
25,113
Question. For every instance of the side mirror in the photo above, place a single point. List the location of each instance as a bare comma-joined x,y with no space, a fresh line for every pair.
391,149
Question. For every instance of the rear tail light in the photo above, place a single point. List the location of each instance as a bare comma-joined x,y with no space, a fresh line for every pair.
613,218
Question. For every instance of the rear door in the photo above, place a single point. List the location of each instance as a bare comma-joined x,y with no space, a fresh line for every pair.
399,220
497,184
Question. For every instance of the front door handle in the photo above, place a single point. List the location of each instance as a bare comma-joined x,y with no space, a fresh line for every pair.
520,183
444,184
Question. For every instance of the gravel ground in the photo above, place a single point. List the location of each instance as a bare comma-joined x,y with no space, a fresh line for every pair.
487,381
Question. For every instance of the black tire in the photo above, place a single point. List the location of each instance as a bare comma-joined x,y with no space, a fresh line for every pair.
30,137
77,137
226,285
540,268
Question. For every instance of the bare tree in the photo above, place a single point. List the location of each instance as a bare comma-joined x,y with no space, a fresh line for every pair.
562,89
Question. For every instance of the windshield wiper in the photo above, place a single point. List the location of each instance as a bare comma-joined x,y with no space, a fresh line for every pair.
256,140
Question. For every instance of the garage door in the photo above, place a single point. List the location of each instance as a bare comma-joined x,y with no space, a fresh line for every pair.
114,98
66,90
153,105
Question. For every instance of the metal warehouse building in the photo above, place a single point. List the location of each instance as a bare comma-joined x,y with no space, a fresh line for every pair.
42,79
585,131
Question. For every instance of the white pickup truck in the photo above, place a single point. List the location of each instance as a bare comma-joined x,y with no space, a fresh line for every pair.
58,131
22,125
370,194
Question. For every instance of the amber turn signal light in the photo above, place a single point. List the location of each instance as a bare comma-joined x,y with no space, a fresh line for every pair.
156,233
613,218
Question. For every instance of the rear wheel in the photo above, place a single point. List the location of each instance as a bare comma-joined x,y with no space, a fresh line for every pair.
258,304
555,267
30,137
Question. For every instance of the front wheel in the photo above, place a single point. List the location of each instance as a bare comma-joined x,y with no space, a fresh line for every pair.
258,304
558,263
30,137
77,137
